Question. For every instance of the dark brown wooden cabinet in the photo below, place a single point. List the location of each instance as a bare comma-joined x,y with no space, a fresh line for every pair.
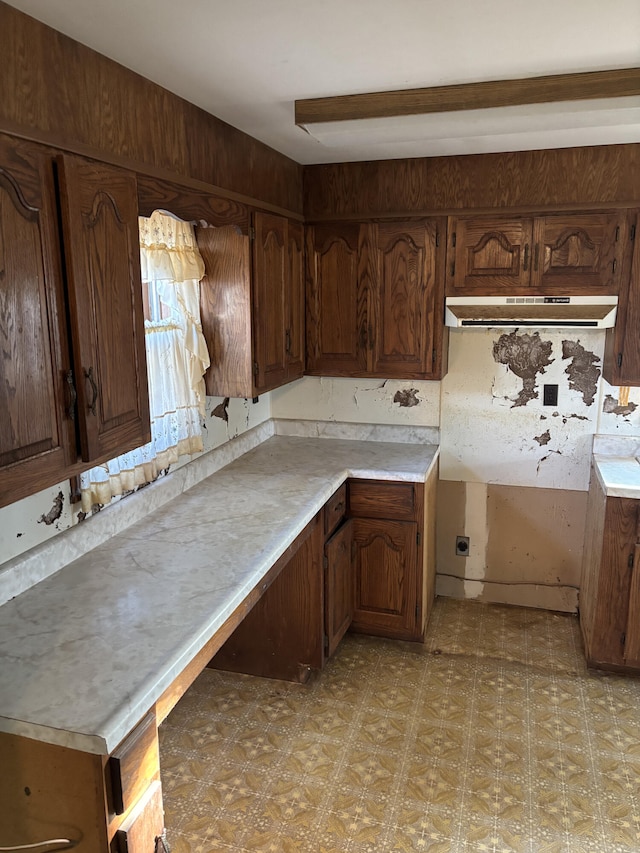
86,373
610,586
252,303
388,540
375,299
99,205
621,364
338,586
572,253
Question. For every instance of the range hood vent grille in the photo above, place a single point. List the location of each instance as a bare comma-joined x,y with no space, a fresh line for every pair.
577,312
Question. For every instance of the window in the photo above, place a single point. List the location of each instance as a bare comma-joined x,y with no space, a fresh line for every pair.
177,359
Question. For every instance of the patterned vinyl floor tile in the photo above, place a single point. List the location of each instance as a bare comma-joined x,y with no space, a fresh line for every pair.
491,736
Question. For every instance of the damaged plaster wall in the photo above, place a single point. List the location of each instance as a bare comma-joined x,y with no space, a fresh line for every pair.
370,401
39,517
515,472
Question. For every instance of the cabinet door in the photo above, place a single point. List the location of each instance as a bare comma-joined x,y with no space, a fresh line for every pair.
100,217
579,252
386,583
488,254
270,275
622,346
37,435
143,825
295,302
337,334
338,586
403,299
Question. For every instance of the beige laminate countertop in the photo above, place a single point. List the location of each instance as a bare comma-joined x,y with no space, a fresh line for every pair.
86,652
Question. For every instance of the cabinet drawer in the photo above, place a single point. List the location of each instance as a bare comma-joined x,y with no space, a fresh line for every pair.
335,510
133,765
145,823
382,499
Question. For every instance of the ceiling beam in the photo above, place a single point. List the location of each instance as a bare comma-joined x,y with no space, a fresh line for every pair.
470,96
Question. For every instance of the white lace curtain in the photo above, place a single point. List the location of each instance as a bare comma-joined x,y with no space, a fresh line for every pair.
177,359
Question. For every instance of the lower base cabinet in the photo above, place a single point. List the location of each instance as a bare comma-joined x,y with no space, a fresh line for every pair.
610,586
367,564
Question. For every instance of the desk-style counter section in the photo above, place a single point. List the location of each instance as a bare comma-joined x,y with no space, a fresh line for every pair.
88,651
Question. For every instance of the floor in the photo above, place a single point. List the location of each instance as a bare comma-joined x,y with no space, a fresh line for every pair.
490,737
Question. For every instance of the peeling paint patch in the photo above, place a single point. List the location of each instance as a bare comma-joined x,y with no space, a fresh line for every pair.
544,458
577,417
582,371
526,356
55,512
545,438
82,516
407,398
18,535
222,411
611,406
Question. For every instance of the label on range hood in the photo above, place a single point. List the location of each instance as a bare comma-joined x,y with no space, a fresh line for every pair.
538,300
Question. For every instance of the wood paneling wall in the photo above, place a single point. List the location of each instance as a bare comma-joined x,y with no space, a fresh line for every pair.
56,90
565,177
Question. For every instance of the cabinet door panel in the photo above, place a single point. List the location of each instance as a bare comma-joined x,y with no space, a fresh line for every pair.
385,577
403,300
270,275
489,254
37,439
339,586
295,302
100,217
336,303
579,252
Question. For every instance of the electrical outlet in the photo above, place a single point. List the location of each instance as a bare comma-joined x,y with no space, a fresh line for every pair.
462,546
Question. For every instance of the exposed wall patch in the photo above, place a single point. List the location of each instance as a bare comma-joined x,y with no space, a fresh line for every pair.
526,356
582,371
407,398
611,406
222,410
55,512
545,438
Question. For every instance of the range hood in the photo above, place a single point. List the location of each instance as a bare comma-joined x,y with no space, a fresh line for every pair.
565,312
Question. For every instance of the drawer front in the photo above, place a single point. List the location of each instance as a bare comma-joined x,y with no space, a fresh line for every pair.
382,499
335,510
143,826
133,765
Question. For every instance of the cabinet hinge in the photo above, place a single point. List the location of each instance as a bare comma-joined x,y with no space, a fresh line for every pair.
630,560
453,239
256,368
619,359
418,538
325,562
252,232
623,638
632,234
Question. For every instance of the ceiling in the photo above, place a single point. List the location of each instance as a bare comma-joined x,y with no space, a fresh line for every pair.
247,61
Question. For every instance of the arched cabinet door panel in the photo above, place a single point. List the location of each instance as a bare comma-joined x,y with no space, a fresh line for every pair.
37,432
99,205
337,331
385,571
488,254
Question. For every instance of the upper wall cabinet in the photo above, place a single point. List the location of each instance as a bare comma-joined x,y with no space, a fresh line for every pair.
375,299
573,253
100,225
57,380
252,303
622,347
